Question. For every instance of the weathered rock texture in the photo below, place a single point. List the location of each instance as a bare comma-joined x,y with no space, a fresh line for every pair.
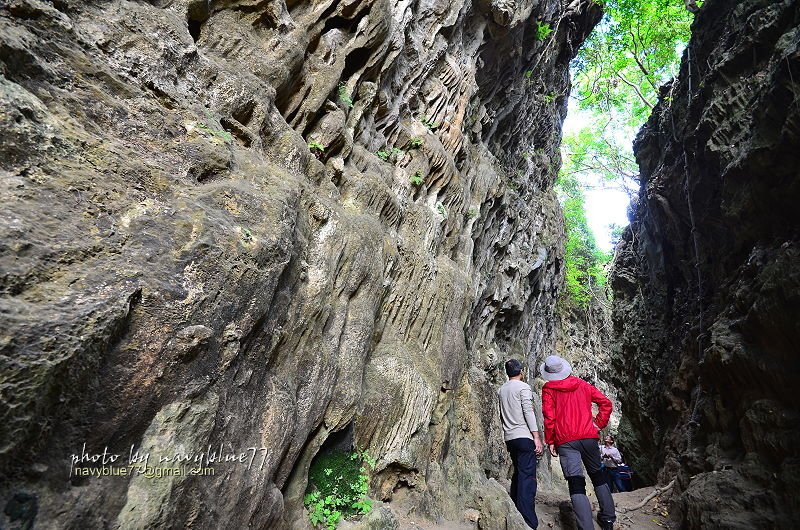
199,245
707,280
584,337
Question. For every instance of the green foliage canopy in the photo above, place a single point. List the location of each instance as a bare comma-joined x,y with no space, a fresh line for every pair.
618,72
634,49
617,75
602,154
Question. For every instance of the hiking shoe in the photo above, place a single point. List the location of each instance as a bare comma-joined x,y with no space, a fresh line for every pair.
605,525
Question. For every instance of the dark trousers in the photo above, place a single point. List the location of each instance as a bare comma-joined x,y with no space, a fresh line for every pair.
615,479
523,481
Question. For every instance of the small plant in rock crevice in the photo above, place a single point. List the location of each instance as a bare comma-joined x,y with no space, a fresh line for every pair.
394,154
429,123
543,30
417,179
217,133
338,483
416,142
344,96
316,146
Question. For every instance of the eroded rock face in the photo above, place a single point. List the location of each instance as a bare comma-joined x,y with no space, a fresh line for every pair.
584,337
706,285
200,246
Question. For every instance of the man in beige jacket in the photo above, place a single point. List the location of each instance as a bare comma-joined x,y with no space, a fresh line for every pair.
521,434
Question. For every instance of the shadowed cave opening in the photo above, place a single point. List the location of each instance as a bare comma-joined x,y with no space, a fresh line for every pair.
194,29
339,441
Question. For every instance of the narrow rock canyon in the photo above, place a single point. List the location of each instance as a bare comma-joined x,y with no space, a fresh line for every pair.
287,225
266,224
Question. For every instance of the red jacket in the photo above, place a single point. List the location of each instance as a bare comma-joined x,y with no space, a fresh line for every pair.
567,411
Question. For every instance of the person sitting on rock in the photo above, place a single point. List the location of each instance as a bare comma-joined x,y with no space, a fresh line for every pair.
521,434
573,434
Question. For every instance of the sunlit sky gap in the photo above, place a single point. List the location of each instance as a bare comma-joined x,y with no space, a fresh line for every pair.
605,204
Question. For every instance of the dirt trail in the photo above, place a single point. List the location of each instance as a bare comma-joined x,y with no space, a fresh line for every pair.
554,512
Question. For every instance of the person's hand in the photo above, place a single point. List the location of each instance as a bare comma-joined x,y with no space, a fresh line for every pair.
553,451
537,443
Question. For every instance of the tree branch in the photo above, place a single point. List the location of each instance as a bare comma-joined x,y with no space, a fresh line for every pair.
644,70
635,88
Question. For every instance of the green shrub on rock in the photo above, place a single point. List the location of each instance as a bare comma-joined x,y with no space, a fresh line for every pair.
338,483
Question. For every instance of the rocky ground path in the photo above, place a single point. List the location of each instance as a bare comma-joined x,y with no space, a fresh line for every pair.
553,509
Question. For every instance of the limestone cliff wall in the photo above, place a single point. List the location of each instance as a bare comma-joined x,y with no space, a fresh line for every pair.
200,245
706,286
584,337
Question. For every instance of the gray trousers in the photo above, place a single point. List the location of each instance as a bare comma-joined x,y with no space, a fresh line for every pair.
571,454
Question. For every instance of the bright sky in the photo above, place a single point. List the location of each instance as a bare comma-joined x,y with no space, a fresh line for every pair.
604,206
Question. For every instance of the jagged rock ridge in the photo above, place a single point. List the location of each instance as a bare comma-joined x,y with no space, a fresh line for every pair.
199,245
706,283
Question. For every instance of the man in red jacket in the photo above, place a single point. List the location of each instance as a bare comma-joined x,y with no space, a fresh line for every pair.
572,434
